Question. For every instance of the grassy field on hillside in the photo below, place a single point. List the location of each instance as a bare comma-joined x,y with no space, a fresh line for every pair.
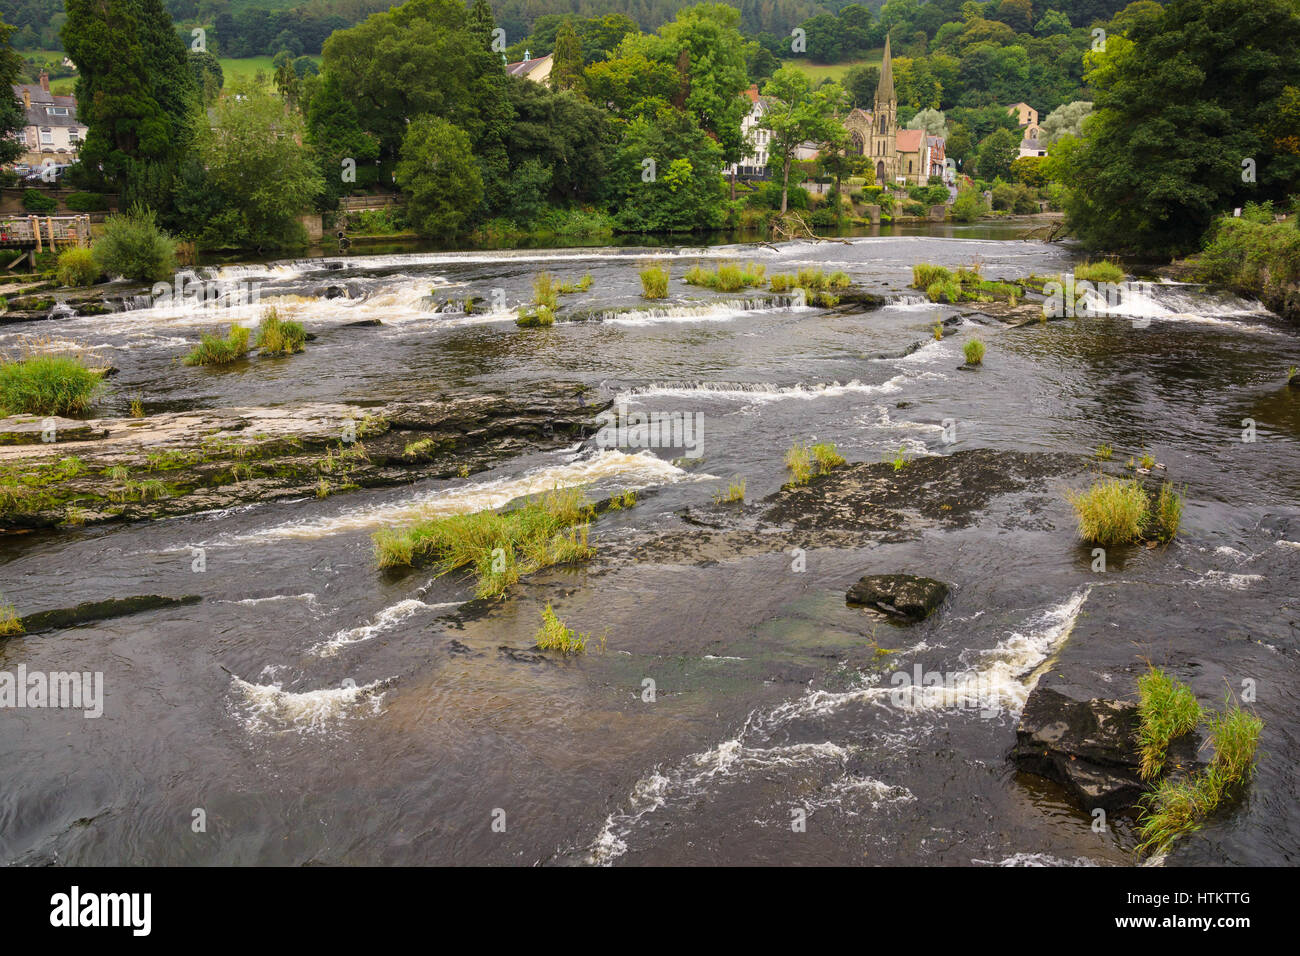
835,71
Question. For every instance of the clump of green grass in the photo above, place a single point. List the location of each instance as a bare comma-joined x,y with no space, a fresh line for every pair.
827,455
728,277
800,462
812,280
322,489
1176,807
545,292
925,275
1112,511
824,300
974,352
534,317
1148,460
276,336
654,282
554,636
212,350
782,282
137,408
1166,514
47,385
419,447
943,290
1104,452
1098,272
734,492
11,624
838,280
900,459
1167,709
568,287
938,331
499,545
626,500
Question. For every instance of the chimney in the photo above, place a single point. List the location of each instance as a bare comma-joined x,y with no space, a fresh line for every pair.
45,80
27,98
527,56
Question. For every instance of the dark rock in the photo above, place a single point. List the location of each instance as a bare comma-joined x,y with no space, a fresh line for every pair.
363,324
1089,746
904,597
523,657
91,611
336,292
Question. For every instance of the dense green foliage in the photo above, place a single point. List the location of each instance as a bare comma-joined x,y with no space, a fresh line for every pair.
77,267
133,246
1196,111
47,385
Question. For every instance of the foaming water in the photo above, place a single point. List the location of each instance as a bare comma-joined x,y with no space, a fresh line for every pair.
723,311
385,620
268,708
759,391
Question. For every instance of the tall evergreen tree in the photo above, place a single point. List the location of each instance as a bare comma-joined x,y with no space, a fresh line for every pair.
566,70
135,89
12,119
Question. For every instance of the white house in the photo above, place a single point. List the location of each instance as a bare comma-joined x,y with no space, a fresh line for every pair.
53,131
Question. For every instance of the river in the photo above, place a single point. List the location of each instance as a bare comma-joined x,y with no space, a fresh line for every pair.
318,711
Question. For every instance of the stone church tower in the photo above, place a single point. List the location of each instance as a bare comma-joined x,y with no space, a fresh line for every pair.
884,125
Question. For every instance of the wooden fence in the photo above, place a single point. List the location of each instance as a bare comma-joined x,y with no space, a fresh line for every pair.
41,232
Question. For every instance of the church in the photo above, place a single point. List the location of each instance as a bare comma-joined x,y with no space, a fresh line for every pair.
900,157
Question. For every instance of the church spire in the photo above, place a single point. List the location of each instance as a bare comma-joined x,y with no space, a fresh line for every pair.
885,88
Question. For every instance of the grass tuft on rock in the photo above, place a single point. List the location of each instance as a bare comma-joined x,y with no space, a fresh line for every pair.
1177,807
974,352
804,461
654,282
1167,709
276,336
11,624
554,636
500,545
1112,511
1098,272
735,492
47,385
213,350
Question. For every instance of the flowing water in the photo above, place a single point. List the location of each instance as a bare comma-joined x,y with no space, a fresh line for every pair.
320,711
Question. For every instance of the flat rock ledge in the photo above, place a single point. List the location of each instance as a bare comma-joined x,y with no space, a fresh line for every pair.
904,598
184,462
1090,748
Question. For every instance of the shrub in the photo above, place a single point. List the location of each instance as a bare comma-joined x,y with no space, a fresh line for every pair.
654,282
213,350
974,352
968,206
1166,710
1251,256
134,247
86,202
78,267
47,385
1112,511
276,336
36,201
1098,272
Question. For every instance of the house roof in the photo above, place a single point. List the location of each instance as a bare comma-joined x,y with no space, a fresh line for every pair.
909,140
524,67
1030,144
752,93
42,99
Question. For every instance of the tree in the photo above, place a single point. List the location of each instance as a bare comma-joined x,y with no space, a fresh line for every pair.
345,152
256,161
438,173
860,85
704,42
796,114
1029,170
208,75
997,152
682,190
425,58
932,121
558,131
12,119
1066,120
566,67
1183,124
135,89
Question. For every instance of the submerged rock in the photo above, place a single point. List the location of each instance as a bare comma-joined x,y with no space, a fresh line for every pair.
903,597
91,611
